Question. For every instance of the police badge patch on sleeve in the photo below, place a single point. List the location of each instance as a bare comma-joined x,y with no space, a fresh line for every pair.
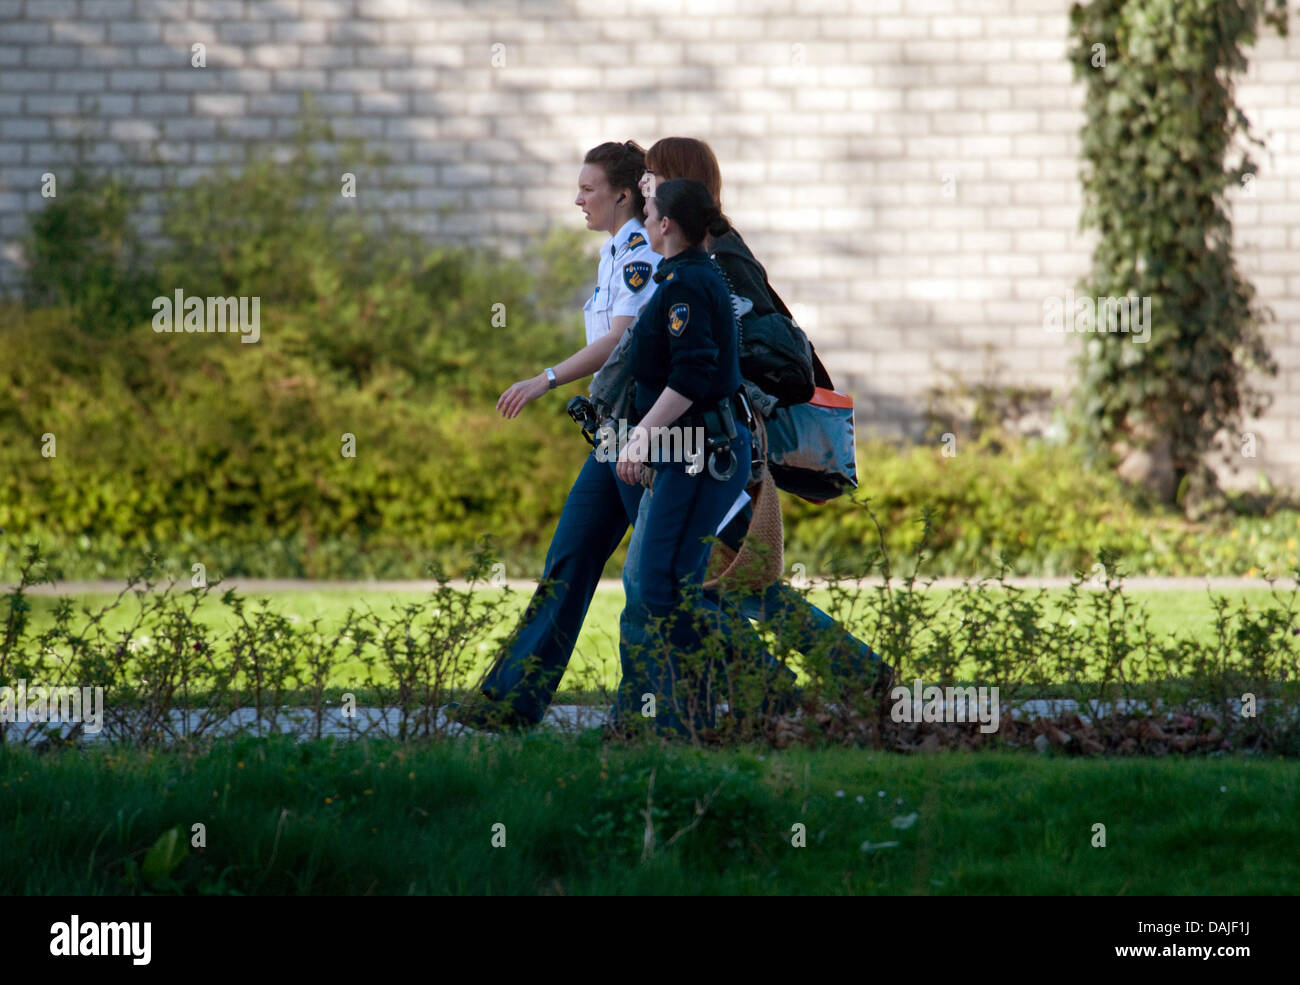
636,275
678,316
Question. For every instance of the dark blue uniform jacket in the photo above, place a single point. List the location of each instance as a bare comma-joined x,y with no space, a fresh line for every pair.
685,336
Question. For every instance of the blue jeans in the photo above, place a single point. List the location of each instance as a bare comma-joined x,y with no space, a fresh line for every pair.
596,515
803,627
799,625
668,557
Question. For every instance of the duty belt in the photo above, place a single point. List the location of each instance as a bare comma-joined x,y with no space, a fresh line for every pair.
719,424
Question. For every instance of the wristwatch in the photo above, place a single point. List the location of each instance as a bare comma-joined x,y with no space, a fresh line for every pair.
550,376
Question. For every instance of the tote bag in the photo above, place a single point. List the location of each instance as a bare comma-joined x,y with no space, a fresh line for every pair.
810,447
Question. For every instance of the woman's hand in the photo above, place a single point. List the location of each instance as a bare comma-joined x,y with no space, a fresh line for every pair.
513,400
630,457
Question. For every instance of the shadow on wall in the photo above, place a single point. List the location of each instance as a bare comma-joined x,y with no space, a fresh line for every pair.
219,92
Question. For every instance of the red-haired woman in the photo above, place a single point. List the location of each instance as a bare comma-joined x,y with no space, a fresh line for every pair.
804,626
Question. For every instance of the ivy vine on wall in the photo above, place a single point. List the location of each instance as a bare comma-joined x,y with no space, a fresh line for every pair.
1162,144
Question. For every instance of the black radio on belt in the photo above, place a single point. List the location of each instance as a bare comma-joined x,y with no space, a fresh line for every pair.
584,415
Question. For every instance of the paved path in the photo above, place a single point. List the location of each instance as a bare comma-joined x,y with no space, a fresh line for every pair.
384,721
259,586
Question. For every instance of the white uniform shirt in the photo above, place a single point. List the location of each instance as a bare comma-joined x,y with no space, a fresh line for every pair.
623,279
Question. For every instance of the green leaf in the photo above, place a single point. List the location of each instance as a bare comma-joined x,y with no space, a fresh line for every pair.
167,852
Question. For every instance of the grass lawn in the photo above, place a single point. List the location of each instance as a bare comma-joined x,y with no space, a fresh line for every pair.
595,663
382,818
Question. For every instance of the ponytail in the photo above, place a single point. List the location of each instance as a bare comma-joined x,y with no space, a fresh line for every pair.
689,204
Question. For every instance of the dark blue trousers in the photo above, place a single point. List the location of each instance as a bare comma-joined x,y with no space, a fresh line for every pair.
595,517
671,548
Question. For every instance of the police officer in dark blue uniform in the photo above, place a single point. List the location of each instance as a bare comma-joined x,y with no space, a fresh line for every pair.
685,360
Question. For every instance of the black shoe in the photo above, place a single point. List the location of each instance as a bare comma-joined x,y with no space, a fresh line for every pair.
486,715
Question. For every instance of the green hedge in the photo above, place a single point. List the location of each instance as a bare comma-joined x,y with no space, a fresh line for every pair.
204,448
1042,506
182,443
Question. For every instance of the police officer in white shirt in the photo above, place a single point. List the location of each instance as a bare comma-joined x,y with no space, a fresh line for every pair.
609,197
599,509
623,282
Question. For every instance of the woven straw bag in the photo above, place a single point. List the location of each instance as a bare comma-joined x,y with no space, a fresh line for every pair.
761,559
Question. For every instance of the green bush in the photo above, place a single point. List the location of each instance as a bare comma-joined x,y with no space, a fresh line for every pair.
1144,691
84,251
192,441
1042,505
202,448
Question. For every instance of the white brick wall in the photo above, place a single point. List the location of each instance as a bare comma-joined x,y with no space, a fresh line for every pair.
907,171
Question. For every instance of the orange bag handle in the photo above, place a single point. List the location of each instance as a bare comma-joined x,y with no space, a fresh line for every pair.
830,398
